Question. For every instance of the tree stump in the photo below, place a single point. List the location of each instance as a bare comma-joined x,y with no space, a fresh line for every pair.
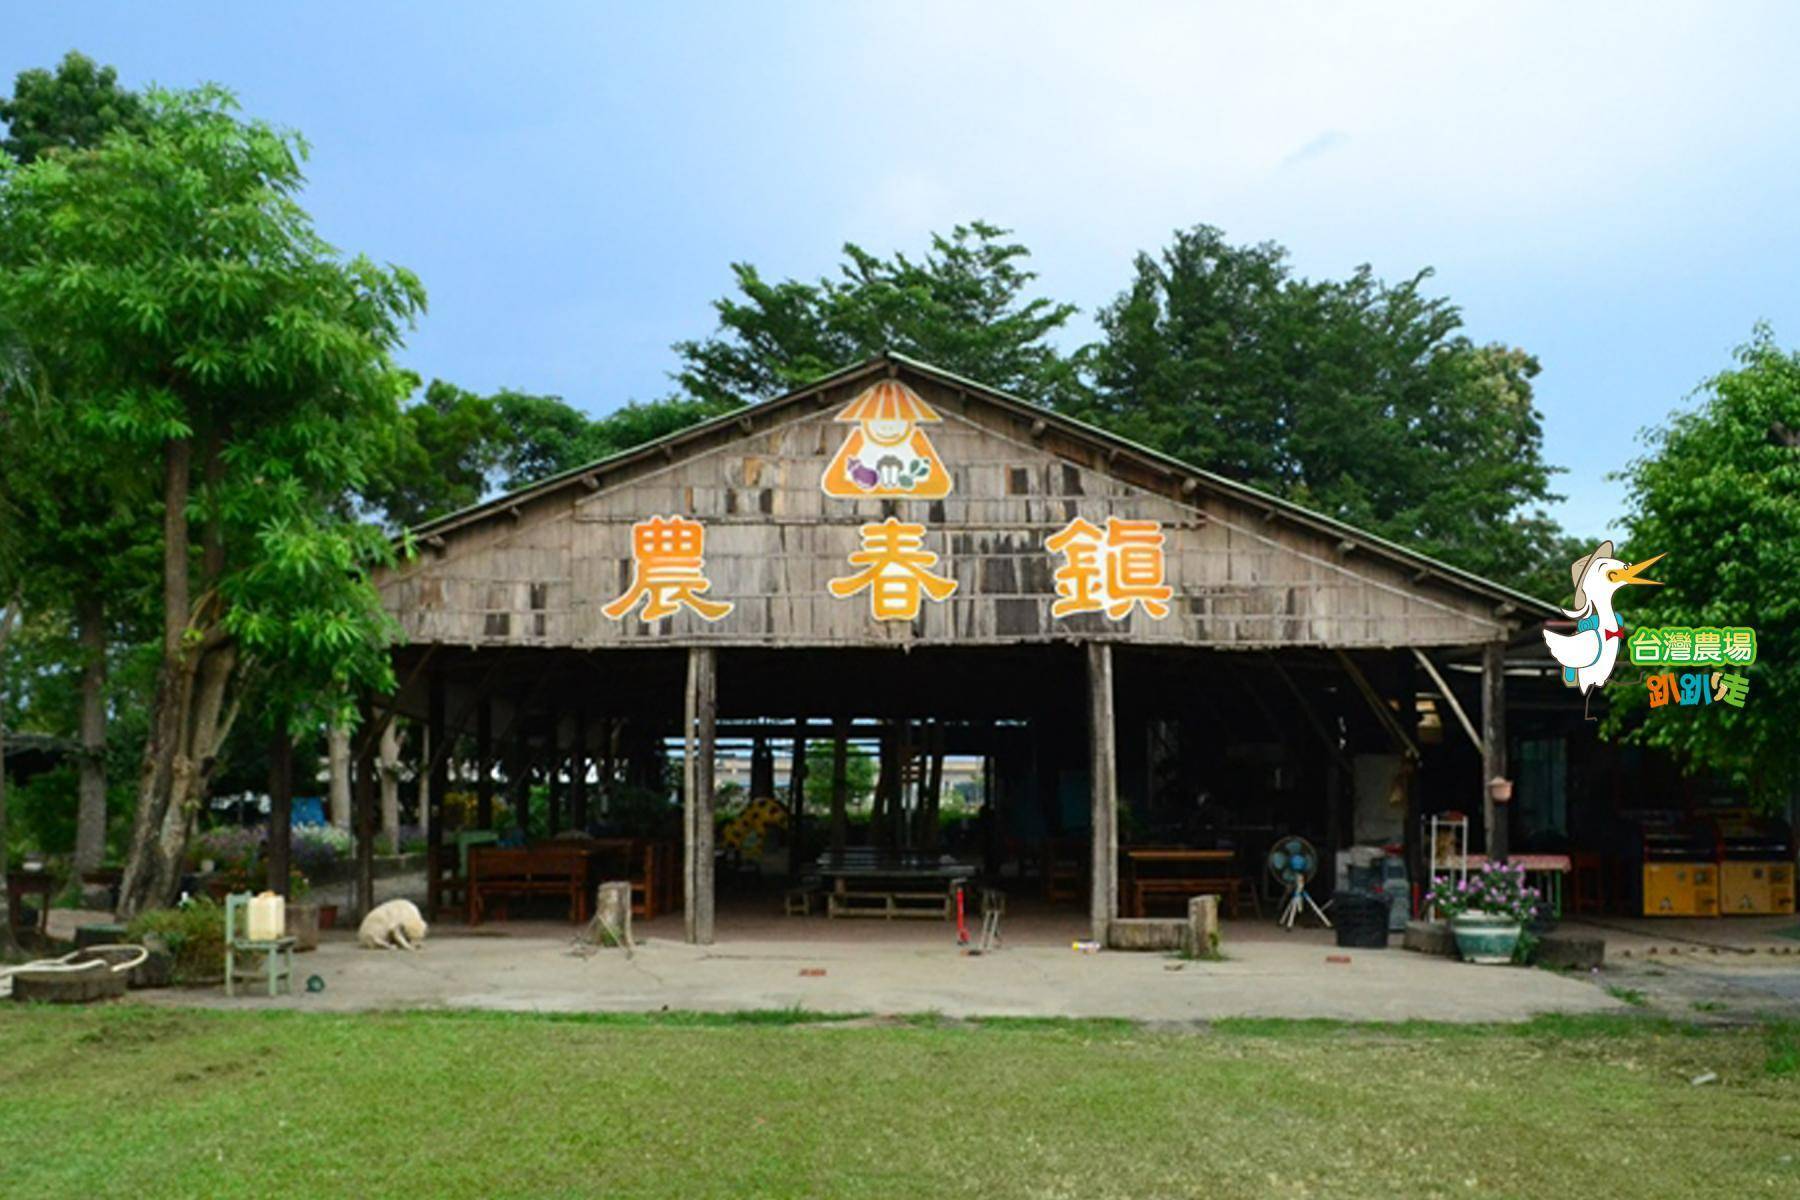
612,909
1202,933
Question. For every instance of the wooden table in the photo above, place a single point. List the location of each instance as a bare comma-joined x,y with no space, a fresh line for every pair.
26,883
1549,868
496,874
1177,871
869,884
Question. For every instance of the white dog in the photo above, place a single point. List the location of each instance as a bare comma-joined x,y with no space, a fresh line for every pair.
396,925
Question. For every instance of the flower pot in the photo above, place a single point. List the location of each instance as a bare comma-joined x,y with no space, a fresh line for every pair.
303,925
1483,937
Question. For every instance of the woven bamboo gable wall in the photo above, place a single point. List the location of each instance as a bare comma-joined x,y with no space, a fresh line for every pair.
537,571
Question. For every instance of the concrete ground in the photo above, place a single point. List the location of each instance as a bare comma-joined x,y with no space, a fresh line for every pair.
1699,969
766,960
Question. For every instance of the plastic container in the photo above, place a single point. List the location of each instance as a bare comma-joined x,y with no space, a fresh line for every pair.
1360,920
267,917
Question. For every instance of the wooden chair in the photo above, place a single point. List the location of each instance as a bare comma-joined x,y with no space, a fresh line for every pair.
278,953
1587,882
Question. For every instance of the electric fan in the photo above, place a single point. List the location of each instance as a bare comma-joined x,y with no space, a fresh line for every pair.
1293,861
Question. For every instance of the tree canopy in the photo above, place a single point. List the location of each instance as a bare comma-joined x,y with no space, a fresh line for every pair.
195,329
1356,397
1719,493
71,108
964,307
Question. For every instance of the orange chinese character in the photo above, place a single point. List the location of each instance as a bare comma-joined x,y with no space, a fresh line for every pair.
1662,689
666,566
895,570
1113,573
1079,579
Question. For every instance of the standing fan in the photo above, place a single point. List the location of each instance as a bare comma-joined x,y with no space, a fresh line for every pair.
1293,861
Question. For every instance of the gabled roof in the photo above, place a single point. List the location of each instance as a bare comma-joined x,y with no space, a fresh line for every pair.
670,446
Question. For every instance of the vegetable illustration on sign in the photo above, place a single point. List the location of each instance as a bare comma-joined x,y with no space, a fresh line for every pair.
887,454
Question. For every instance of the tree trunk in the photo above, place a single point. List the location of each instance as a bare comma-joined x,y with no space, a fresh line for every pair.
90,826
8,946
337,756
193,710
390,785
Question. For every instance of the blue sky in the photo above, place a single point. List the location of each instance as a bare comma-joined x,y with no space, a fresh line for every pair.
1611,187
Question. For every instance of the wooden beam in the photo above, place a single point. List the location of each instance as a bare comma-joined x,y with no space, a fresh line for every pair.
365,767
702,713
1378,706
484,762
437,783
1449,698
281,805
1493,730
840,784
797,798
1103,780
578,771
1312,718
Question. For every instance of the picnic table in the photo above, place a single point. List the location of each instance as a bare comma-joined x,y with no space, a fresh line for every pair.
497,874
1177,871
870,883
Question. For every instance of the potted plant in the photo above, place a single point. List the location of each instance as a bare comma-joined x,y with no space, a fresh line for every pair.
1488,912
302,916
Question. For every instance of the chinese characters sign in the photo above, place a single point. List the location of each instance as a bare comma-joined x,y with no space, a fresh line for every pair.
1110,571
896,571
1697,688
667,572
1679,645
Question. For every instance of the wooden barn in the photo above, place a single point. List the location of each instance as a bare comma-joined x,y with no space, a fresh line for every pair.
1140,654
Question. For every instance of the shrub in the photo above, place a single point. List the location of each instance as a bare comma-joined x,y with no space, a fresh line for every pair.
232,847
315,848
194,933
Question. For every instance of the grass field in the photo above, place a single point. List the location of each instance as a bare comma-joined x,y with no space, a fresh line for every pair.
141,1102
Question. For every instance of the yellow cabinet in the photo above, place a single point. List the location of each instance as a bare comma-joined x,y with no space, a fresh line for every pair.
1681,889
1756,888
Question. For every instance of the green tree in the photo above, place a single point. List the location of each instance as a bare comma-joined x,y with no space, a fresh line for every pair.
1719,494
443,454
859,775
88,537
1355,397
196,327
70,109
963,307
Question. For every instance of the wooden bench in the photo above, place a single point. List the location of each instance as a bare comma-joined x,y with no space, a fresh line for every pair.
1181,873
888,905
497,875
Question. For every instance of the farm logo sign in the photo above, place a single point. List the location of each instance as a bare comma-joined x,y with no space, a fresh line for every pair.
1113,571
1685,646
887,454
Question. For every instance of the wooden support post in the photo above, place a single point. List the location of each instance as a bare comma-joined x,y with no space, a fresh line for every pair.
281,805
932,798
484,762
840,785
390,785
518,771
1103,780
365,813
797,799
437,783
702,712
578,769
1493,744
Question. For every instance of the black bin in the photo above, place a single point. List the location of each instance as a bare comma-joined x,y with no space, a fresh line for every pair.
1361,920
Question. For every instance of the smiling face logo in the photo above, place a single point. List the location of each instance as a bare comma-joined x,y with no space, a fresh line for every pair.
887,454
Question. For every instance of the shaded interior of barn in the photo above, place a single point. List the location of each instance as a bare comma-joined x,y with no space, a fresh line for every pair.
1215,750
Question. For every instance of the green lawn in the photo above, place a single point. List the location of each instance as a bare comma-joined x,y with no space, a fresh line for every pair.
131,1101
